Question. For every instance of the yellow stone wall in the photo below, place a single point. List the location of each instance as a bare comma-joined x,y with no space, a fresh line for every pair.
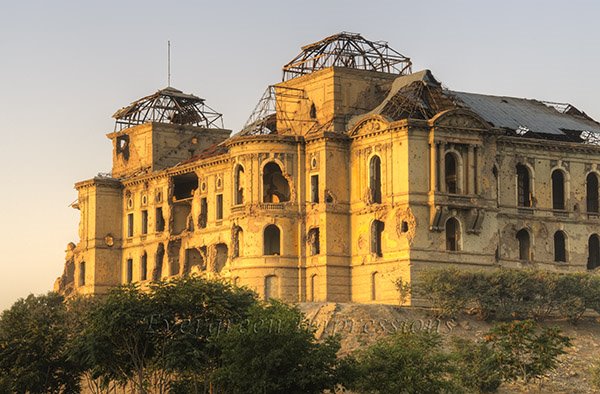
414,207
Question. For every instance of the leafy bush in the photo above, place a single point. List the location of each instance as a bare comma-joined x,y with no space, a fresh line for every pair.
475,366
275,352
523,351
402,363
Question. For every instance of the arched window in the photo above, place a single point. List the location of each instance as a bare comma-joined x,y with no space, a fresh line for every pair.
560,252
275,186
375,282
375,179
238,185
523,186
593,252
452,234
451,173
272,240
524,245
592,192
314,241
558,189
238,241
376,232
271,287
158,263
82,273
144,267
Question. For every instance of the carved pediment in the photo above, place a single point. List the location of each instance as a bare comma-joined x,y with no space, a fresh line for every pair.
459,119
369,125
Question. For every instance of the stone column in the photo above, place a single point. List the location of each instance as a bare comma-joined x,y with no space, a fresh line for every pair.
442,166
432,167
470,170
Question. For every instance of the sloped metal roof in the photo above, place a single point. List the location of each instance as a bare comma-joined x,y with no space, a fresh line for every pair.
525,114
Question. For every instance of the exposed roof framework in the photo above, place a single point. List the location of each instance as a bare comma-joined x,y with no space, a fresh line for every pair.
263,119
349,50
168,105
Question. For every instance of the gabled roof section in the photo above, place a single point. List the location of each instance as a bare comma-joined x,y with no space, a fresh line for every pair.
168,105
349,50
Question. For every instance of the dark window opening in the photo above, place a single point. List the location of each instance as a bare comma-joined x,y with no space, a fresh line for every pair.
314,188
123,146
592,193
158,263
451,173
404,227
523,186
272,240
203,217
558,190
377,228
560,254
160,220
524,245
82,273
275,186
593,252
239,185
144,222
184,185
173,253
314,241
219,207
375,179
130,225
129,275
237,241
313,111
144,267
452,234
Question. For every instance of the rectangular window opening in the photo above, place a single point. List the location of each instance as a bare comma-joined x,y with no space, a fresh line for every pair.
130,225
314,188
160,220
219,214
144,222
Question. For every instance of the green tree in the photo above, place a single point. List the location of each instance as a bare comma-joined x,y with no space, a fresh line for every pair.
402,363
524,351
34,347
116,344
189,313
274,351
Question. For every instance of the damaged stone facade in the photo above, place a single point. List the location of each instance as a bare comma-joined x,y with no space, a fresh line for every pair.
358,179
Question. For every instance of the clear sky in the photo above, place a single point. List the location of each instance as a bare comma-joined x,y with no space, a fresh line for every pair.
66,66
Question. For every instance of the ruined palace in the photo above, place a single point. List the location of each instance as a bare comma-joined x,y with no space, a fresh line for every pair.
351,173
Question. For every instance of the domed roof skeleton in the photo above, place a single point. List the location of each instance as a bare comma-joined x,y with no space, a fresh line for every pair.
168,105
349,50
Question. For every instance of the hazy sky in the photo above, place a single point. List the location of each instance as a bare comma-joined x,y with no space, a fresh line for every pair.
66,66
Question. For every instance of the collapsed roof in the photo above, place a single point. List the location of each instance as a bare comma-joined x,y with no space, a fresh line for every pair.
168,105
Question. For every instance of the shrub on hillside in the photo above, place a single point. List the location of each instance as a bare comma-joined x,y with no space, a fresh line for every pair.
524,351
512,294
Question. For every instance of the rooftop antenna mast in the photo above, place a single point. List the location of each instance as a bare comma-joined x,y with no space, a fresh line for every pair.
169,63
